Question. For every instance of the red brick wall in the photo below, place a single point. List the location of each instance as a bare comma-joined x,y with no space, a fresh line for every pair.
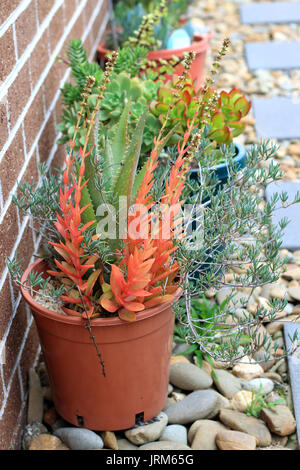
32,34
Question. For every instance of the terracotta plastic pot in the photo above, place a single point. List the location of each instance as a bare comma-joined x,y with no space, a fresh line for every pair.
199,46
136,357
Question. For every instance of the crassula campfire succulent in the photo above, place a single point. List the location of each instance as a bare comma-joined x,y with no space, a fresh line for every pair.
225,118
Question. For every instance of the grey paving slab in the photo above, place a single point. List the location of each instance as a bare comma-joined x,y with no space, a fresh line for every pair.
270,12
294,370
277,117
283,55
291,235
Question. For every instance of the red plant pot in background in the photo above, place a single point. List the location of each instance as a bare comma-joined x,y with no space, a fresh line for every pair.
199,46
136,357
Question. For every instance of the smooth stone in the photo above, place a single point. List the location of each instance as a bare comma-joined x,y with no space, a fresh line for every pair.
189,377
253,426
176,433
205,366
295,293
164,445
170,389
43,374
272,376
47,442
247,369
109,440
180,348
238,300
124,444
223,403
47,393
148,432
262,385
178,359
235,440
227,384
61,423
197,405
36,400
79,438
30,431
292,274
261,355
279,420
279,292
202,434
242,400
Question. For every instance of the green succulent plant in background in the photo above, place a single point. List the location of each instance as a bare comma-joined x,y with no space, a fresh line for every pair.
121,90
129,15
225,119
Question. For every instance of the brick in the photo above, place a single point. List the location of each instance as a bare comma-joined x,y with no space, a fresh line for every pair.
39,59
70,8
3,123
56,28
16,441
14,341
59,105
77,30
6,306
7,54
47,140
99,20
29,353
1,389
26,248
44,7
31,176
34,119
89,43
6,8
18,94
26,28
8,234
11,413
14,160
58,159
89,9
52,82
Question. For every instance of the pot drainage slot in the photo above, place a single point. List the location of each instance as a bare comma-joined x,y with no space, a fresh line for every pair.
80,420
139,419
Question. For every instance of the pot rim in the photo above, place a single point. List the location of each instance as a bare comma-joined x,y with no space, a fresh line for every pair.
199,45
70,320
241,154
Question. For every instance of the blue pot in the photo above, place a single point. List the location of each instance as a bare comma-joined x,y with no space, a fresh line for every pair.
221,171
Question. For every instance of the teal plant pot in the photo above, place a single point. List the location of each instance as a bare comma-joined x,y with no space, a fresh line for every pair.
221,171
